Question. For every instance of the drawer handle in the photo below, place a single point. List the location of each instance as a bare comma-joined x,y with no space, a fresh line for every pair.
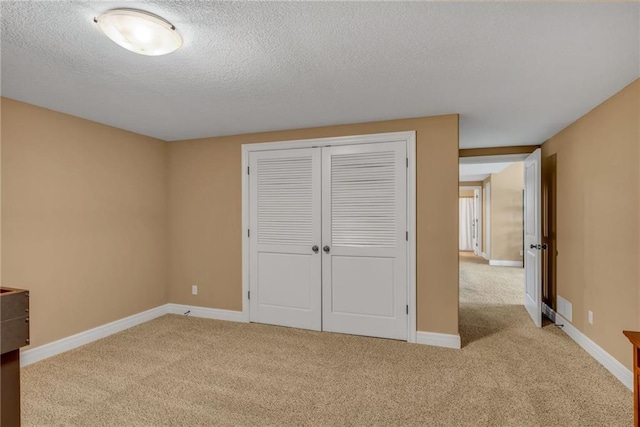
27,341
27,320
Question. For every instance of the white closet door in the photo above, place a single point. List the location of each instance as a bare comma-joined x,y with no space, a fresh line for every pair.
284,217
364,266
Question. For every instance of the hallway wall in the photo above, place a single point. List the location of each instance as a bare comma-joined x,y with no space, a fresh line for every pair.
598,219
506,213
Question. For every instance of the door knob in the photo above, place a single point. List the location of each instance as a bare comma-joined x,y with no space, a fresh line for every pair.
326,249
315,248
543,246
532,246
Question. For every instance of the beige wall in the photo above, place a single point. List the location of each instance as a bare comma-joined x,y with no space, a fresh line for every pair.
506,213
205,215
598,219
83,218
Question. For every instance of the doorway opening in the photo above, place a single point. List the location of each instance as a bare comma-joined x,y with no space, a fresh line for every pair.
492,235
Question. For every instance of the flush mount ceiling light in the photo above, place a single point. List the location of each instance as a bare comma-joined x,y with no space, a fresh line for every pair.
140,32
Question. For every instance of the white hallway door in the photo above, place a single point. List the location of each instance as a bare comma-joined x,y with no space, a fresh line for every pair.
467,237
533,237
330,250
477,212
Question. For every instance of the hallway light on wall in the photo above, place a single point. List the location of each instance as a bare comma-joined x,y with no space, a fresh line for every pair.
140,32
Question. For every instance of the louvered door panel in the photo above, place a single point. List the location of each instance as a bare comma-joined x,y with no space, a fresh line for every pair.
363,199
285,201
284,216
364,286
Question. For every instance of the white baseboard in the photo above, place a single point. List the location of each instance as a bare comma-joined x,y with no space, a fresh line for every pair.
438,340
609,362
485,256
36,354
504,263
208,313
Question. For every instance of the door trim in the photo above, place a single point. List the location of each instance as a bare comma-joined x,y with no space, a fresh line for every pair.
410,139
487,219
478,208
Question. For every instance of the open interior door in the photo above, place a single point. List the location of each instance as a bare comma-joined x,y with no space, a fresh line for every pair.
532,237
477,208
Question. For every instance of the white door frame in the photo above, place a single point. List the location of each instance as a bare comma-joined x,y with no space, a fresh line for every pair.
478,211
487,248
409,137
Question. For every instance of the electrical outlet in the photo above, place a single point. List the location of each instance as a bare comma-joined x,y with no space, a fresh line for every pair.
590,317
194,289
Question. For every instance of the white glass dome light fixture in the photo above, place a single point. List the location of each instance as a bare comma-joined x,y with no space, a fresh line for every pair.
139,31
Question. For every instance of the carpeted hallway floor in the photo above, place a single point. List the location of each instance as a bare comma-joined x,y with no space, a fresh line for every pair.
488,295
185,371
488,285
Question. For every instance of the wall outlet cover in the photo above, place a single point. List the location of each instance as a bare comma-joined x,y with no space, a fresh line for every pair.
194,289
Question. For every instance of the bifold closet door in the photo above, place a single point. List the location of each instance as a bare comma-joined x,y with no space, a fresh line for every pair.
364,265
285,258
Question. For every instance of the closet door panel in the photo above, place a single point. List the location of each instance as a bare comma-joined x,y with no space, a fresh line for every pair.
364,264
284,217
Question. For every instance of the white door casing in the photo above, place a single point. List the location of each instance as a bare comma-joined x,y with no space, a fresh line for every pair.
364,218
285,282
487,221
477,193
477,230
476,224
533,237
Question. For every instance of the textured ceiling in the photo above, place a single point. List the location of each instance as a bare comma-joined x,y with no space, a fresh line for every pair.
515,72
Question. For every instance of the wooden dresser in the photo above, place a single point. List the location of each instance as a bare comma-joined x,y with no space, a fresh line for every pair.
14,333
634,337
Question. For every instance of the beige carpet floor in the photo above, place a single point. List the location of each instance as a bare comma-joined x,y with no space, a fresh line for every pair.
489,285
185,371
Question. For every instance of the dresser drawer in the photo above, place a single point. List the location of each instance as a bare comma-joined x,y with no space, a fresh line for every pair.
13,304
14,334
